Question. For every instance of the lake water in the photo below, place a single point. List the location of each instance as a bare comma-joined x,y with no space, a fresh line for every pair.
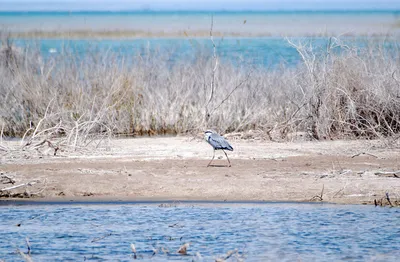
266,23
259,231
249,38
266,52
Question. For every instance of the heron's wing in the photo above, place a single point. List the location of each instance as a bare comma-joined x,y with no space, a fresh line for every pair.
219,142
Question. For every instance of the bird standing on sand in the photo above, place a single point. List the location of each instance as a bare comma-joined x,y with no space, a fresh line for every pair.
218,143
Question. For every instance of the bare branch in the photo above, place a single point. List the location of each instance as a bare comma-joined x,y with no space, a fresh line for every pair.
215,62
231,92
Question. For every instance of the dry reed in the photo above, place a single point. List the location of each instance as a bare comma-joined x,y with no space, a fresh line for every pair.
351,93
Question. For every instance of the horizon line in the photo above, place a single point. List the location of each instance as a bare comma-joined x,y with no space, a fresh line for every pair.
202,10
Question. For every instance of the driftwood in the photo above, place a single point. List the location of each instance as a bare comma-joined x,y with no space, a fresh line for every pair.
385,201
49,143
3,148
7,192
395,174
20,185
388,199
6,179
364,153
318,197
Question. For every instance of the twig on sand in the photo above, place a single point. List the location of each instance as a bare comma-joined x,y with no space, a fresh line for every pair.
382,203
3,148
6,192
6,179
388,174
341,190
49,143
388,199
40,191
364,153
318,197
20,185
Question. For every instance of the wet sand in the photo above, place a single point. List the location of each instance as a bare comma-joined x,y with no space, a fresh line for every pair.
175,168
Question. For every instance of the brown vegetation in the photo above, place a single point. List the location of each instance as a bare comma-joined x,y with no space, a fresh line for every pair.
343,92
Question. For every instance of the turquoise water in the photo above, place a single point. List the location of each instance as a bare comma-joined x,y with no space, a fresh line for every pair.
269,50
269,23
247,51
259,232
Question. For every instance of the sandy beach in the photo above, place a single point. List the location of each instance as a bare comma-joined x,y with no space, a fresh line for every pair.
175,168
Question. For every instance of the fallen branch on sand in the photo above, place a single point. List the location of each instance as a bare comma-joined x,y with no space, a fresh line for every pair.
6,192
49,143
388,174
384,201
364,153
3,148
388,199
318,197
20,185
6,179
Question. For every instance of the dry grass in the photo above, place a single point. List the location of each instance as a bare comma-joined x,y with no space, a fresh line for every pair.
354,93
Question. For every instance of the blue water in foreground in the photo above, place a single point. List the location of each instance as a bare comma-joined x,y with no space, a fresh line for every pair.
259,232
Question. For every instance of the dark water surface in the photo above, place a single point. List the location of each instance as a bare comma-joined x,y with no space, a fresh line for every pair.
259,232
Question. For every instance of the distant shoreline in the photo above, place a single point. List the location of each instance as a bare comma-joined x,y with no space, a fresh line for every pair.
132,34
185,11
128,24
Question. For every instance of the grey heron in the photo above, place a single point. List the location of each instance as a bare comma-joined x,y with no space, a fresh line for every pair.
218,143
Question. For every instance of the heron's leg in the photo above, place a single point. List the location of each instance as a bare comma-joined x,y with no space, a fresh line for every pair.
211,159
227,158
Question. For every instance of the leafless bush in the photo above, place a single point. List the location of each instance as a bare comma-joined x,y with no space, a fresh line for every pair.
347,91
354,93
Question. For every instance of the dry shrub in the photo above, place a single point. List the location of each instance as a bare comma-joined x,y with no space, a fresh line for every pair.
353,93
343,92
